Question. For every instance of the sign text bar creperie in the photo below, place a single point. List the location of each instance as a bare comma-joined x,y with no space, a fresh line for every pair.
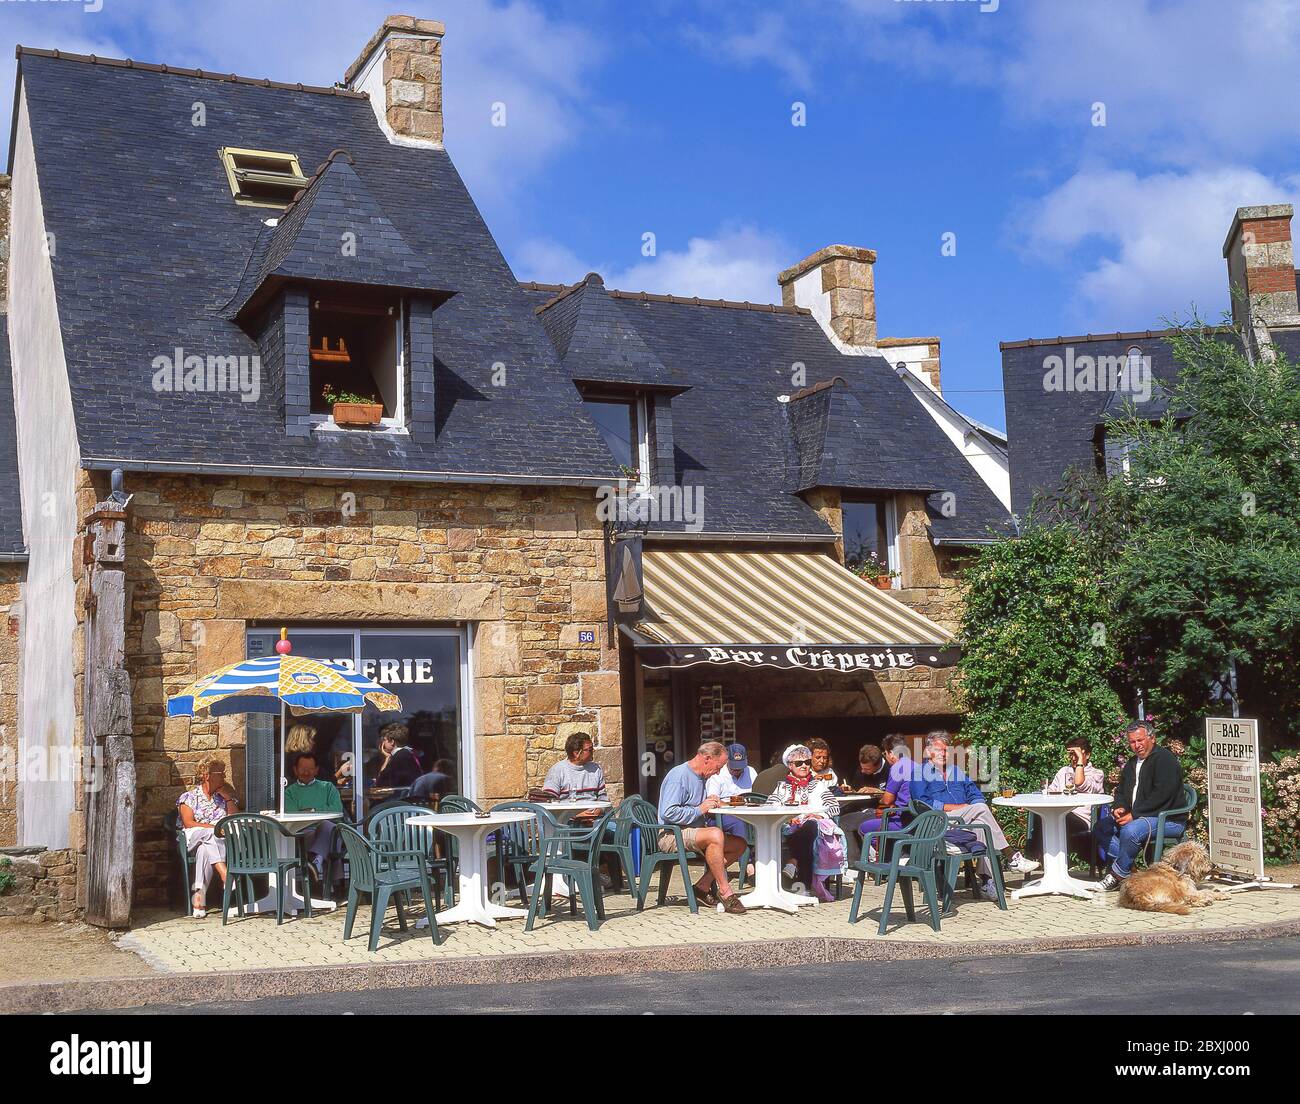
844,658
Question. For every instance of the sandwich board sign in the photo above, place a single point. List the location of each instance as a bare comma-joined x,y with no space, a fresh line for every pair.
1232,788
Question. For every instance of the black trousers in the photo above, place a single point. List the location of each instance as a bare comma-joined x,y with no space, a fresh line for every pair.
801,842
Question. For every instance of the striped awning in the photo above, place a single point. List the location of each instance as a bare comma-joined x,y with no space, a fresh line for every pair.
778,609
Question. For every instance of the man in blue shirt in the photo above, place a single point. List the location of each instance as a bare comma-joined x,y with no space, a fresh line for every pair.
682,801
950,789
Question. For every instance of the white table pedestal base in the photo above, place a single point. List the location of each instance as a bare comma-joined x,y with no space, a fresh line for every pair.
1056,864
767,892
475,906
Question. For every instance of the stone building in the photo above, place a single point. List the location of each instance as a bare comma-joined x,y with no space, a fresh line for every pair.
556,494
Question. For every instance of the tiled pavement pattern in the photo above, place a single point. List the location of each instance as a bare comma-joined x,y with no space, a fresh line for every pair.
176,944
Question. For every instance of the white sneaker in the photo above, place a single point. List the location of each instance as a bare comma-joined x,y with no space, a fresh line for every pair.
871,853
1022,865
989,891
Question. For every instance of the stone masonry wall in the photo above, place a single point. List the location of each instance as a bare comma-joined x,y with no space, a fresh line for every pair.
526,565
44,884
10,595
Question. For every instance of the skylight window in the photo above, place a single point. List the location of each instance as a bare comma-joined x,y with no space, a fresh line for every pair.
262,178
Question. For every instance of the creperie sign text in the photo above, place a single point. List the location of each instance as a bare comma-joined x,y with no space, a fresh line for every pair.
392,672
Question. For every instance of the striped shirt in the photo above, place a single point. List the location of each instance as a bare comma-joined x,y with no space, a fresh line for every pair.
568,781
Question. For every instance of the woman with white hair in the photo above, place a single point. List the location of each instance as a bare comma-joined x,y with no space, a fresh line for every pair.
800,788
199,809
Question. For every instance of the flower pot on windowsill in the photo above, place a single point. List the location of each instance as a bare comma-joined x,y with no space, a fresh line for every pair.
358,415
884,582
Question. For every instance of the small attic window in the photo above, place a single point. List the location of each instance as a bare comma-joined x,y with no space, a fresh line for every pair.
262,178
356,349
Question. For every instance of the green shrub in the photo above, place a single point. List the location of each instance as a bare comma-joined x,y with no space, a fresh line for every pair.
1037,658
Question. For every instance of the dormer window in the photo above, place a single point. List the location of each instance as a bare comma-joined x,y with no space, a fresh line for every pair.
356,351
621,423
262,178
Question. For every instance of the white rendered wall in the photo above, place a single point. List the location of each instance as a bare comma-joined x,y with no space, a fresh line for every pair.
47,465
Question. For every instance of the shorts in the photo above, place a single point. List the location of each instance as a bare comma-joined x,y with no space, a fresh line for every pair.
690,837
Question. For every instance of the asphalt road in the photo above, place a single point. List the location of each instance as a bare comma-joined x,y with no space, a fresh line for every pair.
1253,976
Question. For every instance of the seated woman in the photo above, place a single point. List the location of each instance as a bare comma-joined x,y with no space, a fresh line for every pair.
800,788
1077,776
200,809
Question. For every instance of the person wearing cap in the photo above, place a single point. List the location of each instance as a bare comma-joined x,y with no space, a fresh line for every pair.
800,788
736,779
739,776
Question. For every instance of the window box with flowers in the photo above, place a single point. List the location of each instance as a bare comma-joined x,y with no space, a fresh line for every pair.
874,571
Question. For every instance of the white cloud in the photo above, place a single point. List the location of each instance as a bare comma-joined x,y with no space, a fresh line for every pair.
510,52
768,41
738,263
1148,247
1189,80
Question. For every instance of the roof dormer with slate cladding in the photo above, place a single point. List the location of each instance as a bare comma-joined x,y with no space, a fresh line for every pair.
175,267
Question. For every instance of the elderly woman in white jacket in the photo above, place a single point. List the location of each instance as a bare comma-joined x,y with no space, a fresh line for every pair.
800,788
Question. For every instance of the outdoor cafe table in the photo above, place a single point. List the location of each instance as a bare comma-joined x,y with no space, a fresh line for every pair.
292,825
565,811
767,821
1053,809
471,832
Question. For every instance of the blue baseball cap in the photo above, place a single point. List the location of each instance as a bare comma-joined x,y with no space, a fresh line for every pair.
737,756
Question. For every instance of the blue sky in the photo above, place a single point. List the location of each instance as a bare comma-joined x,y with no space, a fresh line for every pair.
924,117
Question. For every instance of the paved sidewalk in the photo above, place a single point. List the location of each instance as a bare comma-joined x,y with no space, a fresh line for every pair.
175,944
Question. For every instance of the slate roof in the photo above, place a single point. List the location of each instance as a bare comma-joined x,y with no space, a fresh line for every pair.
308,241
1050,432
597,344
12,545
154,264
169,256
752,455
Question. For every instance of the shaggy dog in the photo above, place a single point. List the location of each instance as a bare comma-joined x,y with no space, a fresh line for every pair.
1170,885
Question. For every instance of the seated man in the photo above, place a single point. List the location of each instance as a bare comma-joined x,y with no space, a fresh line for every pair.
1150,783
313,795
683,801
951,790
577,777
894,796
737,779
435,785
1077,776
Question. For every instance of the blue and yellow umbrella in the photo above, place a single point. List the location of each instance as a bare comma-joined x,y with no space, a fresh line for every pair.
266,684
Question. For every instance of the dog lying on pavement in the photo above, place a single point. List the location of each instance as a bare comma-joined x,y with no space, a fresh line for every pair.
1170,885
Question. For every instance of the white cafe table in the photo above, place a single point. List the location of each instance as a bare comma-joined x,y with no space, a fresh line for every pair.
767,821
292,825
471,832
565,811
1053,809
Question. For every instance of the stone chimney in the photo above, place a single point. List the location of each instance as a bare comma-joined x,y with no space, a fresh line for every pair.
838,285
401,69
1261,267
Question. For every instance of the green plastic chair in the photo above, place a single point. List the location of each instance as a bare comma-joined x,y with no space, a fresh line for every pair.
379,873
391,830
252,847
562,853
620,846
520,845
1160,839
991,853
171,823
921,843
645,818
